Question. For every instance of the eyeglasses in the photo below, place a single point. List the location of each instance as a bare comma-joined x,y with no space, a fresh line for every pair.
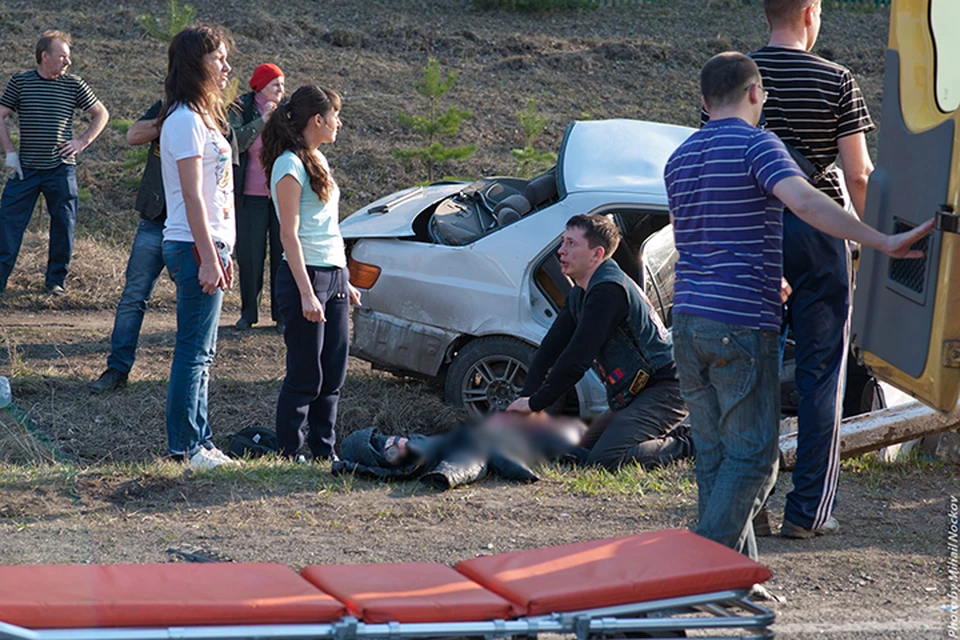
760,87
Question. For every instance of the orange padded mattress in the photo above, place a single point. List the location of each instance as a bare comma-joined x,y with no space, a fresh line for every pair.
149,595
408,592
604,573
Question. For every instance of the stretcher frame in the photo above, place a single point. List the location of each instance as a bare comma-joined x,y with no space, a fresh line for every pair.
754,620
719,614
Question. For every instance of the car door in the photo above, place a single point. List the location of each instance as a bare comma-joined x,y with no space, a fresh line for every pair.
906,322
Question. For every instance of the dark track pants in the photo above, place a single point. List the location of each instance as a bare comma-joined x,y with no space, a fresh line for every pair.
648,431
817,267
257,228
316,361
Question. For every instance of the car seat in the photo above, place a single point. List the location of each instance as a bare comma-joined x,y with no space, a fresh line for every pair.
541,190
537,192
511,209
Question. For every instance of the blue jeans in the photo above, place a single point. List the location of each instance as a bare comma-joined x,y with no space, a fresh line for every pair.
143,269
729,380
198,315
59,188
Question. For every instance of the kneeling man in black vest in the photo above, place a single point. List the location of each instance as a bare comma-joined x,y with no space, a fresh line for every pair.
607,322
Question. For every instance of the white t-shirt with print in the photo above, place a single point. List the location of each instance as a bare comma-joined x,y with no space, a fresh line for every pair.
184,135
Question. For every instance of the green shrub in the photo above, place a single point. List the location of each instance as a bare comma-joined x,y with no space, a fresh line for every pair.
529,160
178,16
434,124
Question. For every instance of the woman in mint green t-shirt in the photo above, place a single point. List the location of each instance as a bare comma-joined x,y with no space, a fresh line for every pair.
313,289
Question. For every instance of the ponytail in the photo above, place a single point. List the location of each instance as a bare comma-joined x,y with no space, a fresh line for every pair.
284,132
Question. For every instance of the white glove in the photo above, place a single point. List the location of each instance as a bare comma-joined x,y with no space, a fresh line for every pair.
13,162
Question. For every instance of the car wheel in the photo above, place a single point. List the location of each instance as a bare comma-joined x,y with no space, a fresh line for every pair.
488,374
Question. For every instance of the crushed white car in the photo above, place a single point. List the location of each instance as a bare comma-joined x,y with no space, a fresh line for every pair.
461,281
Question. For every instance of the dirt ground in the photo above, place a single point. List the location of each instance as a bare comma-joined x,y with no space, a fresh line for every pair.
884,576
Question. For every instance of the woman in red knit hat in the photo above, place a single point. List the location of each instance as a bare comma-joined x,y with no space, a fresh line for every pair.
256,218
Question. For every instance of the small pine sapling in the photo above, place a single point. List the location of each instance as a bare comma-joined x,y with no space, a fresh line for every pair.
528,159
178,17
435,124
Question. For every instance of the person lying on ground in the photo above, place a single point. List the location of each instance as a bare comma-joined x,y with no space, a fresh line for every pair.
510,446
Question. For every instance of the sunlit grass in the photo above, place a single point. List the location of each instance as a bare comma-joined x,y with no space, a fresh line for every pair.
673,480
870,464
276,475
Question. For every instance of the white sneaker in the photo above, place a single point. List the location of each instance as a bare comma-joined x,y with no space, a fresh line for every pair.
760,592
205,459
216,453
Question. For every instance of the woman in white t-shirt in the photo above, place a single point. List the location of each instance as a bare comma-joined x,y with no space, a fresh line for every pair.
313,289
198,236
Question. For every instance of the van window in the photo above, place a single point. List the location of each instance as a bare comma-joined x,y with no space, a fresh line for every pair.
945,25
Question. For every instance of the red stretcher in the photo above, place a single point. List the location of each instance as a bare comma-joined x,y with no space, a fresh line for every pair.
654,584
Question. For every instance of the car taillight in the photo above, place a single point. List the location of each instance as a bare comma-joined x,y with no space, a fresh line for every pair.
362,275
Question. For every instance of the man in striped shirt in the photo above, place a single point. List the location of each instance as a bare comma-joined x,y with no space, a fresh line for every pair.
727,185
44,100
816,107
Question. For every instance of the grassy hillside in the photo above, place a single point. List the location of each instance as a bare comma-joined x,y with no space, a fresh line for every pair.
633,62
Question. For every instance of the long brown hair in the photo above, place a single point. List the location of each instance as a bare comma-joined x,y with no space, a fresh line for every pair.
284,132
190,81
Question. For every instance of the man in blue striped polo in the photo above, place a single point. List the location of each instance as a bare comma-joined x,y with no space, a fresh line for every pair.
727,185
44,100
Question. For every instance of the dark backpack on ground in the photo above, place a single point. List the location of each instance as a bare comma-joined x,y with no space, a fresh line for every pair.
252,442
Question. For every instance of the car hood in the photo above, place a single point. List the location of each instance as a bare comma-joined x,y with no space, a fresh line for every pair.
392,216
617,155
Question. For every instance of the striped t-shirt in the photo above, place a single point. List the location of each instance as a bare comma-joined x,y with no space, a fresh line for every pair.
727,223
811,103
45,110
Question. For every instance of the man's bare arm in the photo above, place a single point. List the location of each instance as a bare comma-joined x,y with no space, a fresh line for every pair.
857,168
78,144
142,132
820,211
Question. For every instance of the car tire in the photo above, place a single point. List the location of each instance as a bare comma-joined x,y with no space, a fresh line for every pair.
487,374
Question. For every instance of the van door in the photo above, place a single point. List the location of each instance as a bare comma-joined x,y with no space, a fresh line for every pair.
906,319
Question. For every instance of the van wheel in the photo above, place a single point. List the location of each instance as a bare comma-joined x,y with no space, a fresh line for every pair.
488,374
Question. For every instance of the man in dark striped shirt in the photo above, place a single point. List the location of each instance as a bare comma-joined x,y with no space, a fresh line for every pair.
44,100
727,185
815,106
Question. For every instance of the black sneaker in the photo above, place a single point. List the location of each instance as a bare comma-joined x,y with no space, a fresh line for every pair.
110,380
56,290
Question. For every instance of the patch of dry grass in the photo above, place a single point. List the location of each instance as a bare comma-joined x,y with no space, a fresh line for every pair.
18,446
96,274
